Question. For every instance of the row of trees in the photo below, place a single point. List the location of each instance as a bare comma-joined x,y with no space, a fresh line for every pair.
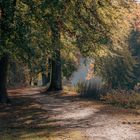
34,31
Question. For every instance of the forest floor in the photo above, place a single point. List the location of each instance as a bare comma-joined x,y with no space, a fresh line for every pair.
34,115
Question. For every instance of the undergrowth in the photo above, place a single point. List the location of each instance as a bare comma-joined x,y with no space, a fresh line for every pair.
123,98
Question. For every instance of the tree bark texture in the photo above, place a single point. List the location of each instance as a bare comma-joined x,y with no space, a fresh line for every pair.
56,74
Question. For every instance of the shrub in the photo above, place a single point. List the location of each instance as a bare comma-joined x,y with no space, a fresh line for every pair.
89,88
127,99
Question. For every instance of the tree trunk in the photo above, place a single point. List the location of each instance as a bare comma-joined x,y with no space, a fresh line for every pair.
3,79
56,76
56,80
7,9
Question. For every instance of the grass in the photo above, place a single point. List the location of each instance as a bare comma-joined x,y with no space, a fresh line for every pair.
89,88
123,98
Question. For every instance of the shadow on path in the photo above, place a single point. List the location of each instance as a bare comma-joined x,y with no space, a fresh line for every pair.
53,116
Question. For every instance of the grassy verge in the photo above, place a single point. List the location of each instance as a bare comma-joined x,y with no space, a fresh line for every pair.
122,98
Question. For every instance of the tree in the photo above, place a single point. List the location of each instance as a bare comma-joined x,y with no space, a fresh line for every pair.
91,24
7,9
135,49
32,30
114,61
56,76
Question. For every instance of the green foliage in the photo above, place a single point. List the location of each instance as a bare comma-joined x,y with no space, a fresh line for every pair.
69,55
38,30
68,67
116,70
114,61
134,43
18,74
32,33
7,9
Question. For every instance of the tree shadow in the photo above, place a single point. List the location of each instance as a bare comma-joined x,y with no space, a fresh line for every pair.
23,117
33,114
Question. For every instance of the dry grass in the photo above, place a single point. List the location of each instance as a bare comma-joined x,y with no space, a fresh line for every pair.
123,98
89,88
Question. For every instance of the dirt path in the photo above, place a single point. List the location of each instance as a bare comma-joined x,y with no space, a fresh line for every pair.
67,118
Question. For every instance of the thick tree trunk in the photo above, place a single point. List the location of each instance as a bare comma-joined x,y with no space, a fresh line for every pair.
56,80
56,76
7,9
3,79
